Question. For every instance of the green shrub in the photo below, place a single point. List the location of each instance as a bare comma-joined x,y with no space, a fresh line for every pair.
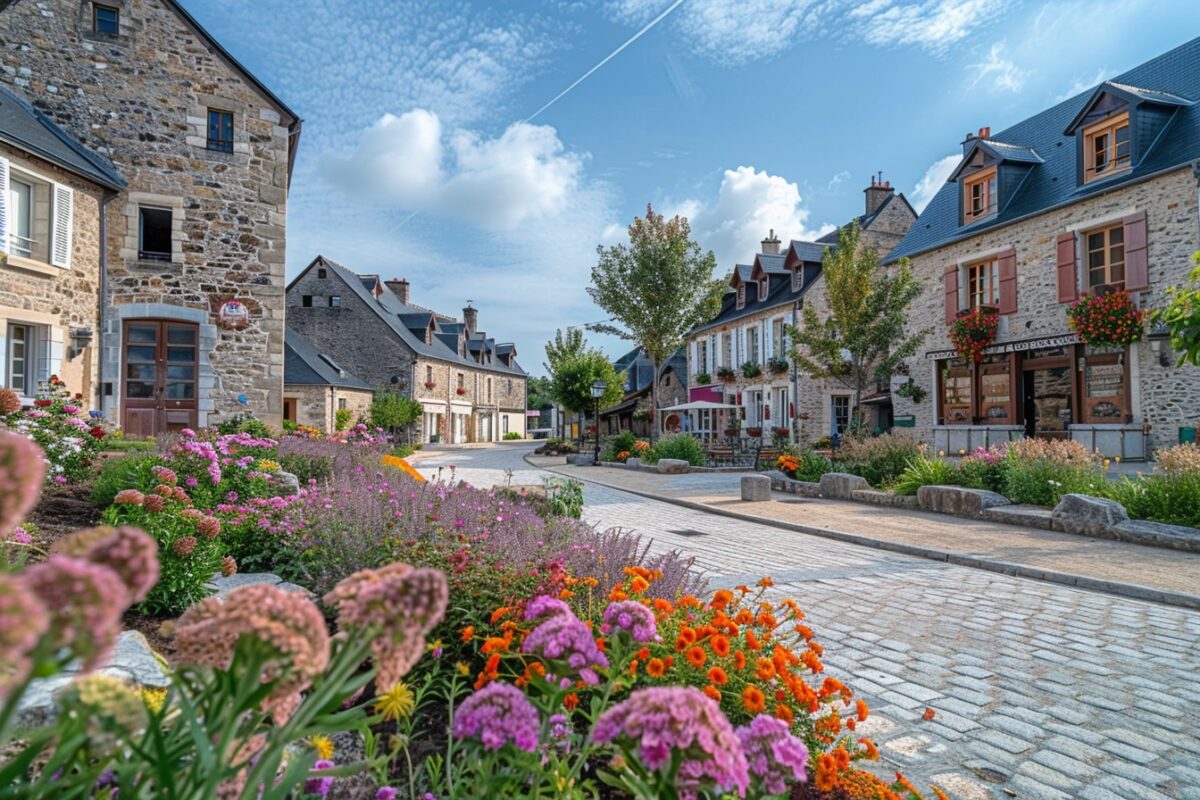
1171,498
122,445
245,422
402,450
289,426
984,468
878,459
566,497
621,443
1041,471
342,418
803,464
925,471
130,471
683,447
307,467
512,436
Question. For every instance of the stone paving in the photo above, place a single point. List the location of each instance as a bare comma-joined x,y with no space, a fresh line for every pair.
1039,691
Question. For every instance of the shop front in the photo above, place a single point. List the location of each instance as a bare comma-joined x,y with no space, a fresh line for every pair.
1055,388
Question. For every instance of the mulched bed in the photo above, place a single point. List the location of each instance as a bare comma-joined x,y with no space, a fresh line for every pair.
63,510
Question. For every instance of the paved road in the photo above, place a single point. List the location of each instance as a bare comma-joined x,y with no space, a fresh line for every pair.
1040,691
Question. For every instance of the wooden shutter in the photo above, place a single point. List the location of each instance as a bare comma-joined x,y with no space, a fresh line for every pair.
1137,265
1007,268
3,205
60,234
951,284
1068,289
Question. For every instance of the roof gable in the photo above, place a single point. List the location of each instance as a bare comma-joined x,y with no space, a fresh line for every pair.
1133,95
304,365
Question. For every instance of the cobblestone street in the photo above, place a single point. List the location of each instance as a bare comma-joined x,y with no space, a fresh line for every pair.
1040,691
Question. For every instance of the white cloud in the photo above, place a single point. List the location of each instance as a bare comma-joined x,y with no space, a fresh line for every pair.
748,204
836,181
932,24
497,183
998,71
1080,84
933,180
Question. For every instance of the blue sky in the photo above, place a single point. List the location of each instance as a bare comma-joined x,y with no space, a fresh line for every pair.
416,160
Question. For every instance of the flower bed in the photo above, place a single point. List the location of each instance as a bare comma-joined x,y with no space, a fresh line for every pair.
69,437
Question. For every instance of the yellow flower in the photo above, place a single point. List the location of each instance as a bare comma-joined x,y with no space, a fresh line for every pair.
153,697
462,668
396,703
267,465
323,745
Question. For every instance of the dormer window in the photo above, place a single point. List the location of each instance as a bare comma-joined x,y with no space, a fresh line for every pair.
763,285
979,195
741,295
1106,147
797,277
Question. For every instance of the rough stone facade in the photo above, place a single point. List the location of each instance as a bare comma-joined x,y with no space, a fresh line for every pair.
57,299
317,406
1163,397
141,98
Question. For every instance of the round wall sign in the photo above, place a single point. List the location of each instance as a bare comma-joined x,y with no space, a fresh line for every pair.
233,315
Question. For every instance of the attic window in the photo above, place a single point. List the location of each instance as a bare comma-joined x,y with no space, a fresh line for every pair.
741,295
1106,147
797,277
321,273
763,284
979,195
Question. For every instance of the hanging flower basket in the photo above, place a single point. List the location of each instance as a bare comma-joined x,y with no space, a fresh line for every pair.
777,365
1106,320
726,374
972,332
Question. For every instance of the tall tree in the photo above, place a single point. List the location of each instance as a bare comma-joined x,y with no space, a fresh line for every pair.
658,287
865,335
572,383
563,347
1181,318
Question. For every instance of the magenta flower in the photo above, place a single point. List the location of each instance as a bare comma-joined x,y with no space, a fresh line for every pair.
775,757
497,714
563,638
632,617
660,721
545,606
321,784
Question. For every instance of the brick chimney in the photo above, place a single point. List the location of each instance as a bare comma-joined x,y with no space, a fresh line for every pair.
770,245
399,288
877,193
984,133
470,317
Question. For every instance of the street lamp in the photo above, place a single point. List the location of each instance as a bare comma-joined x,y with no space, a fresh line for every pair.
598,389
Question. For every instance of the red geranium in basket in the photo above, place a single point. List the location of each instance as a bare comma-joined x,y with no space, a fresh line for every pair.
972,332
1106,320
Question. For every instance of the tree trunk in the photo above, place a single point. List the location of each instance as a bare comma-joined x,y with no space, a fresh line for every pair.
654,402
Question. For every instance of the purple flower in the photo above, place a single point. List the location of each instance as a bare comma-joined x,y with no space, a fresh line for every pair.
320,785
633,617
496,714
661,720
545,606
775,757
385,793
191,481
565,639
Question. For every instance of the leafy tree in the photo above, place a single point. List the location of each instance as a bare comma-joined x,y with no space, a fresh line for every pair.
658,287
572,382
540,393
392,411
1181,317
864,337
563,347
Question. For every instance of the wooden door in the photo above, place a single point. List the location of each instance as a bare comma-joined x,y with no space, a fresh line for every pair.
159,384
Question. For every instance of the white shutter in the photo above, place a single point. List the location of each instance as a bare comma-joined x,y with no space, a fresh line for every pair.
3,205
712,352
60,235
769,328
694,359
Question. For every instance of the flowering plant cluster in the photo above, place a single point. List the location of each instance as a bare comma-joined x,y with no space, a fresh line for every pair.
69,437
972,332
1106,320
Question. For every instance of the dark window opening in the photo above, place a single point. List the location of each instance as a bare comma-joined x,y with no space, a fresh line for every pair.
154,234
306,301
105,19
335,301
220,130
320,273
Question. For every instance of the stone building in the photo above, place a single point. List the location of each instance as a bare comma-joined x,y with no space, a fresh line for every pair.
739,359
470,385
316,387
192,268
1097,194
52,190
634,411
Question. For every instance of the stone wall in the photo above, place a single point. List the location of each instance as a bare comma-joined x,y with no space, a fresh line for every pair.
141,97
1169,397
35,292
317,405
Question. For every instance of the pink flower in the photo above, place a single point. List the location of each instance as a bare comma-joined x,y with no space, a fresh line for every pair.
85,602
130,497
209,527
153,503
23,621
498,714
775,757
22,470
130,553
184,546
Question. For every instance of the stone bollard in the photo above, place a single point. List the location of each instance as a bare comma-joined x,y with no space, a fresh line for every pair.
756,488
672,466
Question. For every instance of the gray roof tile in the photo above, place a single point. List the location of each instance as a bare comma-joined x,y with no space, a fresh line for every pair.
23,126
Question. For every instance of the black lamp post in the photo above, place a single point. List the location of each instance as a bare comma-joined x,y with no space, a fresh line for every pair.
598,389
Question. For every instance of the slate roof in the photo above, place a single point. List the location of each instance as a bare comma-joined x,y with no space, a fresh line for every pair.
1169,79
303,365
28,129
809,251
395,313
772,263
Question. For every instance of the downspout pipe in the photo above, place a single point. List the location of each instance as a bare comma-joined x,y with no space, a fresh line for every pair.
103,291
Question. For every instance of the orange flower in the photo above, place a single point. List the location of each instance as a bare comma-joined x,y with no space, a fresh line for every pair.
826,779
617,595
764,668
655,668
713,692
600,645
816,648
500,613
688,601
571,701
633,665
689,634
862,709
903,781
939,793
720,645
784,713
494,644
928,715
739,660
766,583
722,598
804,631
718,676
753,700
767,620
565,594
696,657
842,758
744,617
681,643
870,748
468,632
812,662
743,588
752,641
663,606
643,654
638,585
851,723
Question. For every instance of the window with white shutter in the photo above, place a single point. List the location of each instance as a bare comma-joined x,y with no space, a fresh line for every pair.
63,213
3,205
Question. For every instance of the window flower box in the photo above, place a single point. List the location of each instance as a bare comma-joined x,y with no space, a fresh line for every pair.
460,391
430,384
750,370
727,374
1106,319
703,378
777,365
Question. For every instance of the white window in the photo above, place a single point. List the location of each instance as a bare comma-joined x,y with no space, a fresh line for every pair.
752,352
839,413
23,368
741,295
701,356
778,335
798,278
36,216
